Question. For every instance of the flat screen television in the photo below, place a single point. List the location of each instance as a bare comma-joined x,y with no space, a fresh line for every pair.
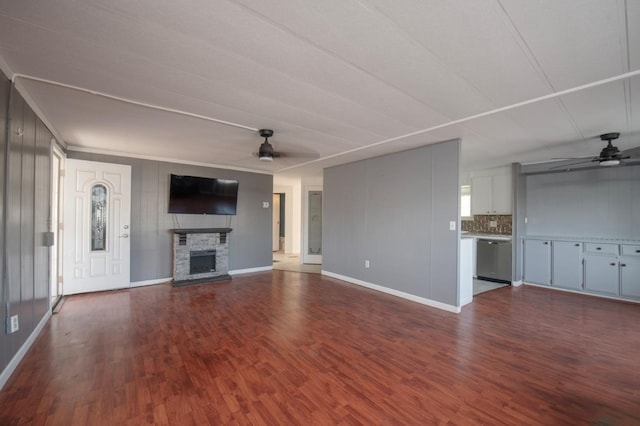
199,195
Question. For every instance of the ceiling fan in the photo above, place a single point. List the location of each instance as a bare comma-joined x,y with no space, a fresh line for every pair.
609,156
267,153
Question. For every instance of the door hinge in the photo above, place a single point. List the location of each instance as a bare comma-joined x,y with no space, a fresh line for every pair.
59,279
61,173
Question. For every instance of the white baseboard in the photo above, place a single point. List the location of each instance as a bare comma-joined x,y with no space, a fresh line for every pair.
150,282
250,270
516,283
414,298
566,290
13,364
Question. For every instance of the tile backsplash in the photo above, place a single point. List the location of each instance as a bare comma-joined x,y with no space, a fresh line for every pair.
480,224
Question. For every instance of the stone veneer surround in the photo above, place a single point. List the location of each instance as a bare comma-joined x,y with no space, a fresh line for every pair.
187,240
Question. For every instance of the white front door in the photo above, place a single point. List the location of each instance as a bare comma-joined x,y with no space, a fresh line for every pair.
97,209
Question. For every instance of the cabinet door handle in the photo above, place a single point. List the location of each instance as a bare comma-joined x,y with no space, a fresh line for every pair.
577,245
612,264
637,251
623,264
545,243
598,248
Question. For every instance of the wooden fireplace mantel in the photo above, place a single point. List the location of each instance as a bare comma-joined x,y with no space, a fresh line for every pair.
202,231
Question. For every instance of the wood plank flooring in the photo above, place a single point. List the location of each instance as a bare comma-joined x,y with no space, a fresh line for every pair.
285,348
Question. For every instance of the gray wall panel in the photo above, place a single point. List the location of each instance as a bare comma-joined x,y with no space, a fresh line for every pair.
398,206
42,220
4,102
13,217
26,186
600,203
445,207
394,211
27,217
151,238
344,239
519,227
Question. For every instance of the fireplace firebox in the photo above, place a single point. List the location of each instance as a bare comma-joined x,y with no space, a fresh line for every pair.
202,261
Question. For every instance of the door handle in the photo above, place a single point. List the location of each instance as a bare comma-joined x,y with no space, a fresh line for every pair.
124,236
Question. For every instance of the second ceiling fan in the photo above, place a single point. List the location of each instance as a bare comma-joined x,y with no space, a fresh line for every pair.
609,156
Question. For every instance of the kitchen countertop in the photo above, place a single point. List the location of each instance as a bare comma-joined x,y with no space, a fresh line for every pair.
499,237
582,239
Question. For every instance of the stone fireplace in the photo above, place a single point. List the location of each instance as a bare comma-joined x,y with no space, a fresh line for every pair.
200,255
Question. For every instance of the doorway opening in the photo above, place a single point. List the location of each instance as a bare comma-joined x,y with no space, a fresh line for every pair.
55,251
279,202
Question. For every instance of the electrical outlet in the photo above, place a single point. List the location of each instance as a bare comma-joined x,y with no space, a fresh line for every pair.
493,223
452,225
366,263
14,325
265,204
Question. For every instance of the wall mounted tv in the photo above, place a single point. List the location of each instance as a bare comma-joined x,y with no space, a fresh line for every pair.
199,195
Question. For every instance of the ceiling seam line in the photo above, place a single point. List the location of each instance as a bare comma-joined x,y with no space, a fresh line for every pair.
528,53
130,101
627,84
165,159
422,46
144,104
343,60
553,95
245,58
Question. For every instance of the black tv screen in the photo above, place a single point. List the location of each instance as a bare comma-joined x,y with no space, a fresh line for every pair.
198,195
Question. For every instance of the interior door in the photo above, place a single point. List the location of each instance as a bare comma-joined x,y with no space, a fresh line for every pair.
55,253
97,209
312,224
276,222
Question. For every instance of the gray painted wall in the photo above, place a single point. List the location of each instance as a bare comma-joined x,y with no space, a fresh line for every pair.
5,350
151,239
519,208
25,175
394,211
595,203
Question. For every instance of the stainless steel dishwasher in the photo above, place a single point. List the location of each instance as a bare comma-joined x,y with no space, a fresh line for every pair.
494,260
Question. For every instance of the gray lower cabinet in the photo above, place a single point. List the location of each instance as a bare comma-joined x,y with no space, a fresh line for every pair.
601,274
630,271
537,261
567,265
604,268
630,278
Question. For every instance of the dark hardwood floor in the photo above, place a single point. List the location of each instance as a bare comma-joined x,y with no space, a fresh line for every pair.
297,349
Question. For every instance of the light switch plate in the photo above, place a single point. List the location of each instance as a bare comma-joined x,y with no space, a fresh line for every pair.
452,225
13,324
493,223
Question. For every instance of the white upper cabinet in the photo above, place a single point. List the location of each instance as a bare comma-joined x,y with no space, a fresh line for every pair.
491,194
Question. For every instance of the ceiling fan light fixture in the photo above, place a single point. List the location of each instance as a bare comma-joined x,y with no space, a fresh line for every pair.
612,162
265,156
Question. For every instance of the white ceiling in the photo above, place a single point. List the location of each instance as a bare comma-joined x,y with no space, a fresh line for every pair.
337,80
